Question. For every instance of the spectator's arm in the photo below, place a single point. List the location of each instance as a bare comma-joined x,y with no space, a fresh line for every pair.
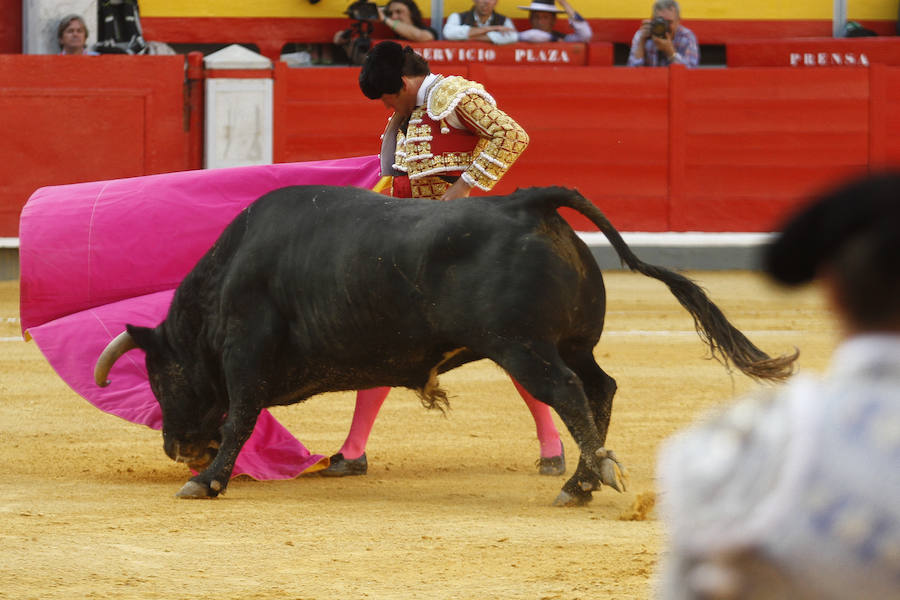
535,36
687,52
454,30
507,35
582,30
636,56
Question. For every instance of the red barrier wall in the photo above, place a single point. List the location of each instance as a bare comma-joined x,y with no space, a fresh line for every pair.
321,114
270,34
658,149
74,119
747,144
884,118
10,26
440,54
600,130
814,52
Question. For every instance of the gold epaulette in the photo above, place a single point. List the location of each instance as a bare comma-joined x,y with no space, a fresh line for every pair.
448,92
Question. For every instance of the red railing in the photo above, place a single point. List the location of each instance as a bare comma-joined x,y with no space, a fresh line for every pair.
657,149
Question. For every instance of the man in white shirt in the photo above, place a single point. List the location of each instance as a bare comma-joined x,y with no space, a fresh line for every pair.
480,24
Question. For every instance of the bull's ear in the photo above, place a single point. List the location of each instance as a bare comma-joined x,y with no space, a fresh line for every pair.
145,337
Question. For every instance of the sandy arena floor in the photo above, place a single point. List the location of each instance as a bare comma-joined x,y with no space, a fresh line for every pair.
452,507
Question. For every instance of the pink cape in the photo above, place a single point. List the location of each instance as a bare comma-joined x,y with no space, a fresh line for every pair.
95,256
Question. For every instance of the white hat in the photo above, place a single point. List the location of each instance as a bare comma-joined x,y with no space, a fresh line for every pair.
543,6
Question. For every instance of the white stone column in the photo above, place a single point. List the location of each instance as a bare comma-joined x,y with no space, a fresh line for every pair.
238,108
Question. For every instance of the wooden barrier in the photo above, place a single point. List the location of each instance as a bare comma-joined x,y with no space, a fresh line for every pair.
602,130
658,149
270,34
321,114
10,26
746,145
73,119
439,54
814,52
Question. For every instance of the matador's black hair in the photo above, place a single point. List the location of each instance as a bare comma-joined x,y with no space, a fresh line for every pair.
385,66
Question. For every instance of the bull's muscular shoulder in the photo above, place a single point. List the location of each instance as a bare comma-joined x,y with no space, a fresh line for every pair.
448,92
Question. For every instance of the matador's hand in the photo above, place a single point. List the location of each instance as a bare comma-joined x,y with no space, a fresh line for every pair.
459,189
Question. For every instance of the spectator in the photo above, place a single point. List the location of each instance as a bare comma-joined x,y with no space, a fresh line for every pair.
542,16
668,42
794,493
481,24
72,34
404,18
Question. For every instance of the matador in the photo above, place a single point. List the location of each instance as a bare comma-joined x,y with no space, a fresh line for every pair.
445,137
455,130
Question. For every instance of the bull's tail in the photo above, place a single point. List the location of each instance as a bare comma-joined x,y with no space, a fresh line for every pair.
726,343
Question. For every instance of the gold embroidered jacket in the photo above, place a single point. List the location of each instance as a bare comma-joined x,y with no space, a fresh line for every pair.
458,131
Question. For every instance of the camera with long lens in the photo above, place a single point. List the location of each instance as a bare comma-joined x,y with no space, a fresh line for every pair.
659,27
356,40
362,10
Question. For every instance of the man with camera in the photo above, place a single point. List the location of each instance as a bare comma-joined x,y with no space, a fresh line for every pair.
402,17
663,40
446,137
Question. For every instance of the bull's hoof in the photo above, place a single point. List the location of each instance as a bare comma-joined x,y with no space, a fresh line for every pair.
612,472
193,491
566,499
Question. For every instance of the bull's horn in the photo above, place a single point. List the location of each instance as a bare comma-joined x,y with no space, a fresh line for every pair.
121,344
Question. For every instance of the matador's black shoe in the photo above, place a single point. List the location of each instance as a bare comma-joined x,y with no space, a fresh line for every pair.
553,465
342,467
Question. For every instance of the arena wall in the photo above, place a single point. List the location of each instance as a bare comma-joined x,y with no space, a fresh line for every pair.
73,119
713,150
270,25
10,26
661,150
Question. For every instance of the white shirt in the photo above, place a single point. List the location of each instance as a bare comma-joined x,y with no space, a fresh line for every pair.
806,477
455,30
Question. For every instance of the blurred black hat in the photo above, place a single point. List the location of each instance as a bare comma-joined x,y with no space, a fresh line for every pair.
811,238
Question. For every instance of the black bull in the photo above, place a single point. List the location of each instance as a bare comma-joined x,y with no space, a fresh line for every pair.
314,289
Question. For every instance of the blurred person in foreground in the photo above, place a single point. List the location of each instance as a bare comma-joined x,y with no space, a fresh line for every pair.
480,24
446,136
542,16
72,35
662,40
795,493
